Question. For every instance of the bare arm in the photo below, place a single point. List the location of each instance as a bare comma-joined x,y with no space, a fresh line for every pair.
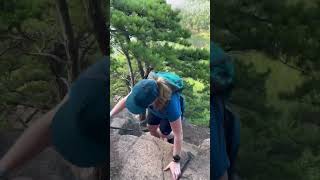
176,127
119,106
32,141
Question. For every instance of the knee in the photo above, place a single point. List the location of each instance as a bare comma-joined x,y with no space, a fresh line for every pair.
165,131
153,129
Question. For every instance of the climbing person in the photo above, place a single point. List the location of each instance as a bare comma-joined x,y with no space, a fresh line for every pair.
76,128
160,95
225,126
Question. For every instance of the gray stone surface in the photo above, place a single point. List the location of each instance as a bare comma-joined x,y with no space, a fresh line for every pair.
140,156
145,157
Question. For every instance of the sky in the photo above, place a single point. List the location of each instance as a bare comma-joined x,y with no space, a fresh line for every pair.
176,3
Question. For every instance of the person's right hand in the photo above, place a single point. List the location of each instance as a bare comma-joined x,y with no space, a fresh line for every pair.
175,170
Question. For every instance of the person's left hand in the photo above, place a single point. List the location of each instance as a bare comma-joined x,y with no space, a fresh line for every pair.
175,170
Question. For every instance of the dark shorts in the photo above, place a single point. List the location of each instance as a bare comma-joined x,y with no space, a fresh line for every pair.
165,127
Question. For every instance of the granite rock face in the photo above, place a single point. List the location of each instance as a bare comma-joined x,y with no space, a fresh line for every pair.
146,156
140,156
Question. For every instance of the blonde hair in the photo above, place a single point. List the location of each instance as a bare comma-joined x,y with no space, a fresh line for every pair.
165,92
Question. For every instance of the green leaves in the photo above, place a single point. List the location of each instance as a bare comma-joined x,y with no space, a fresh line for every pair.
14,12
25,81
147,21
151,33
274,27
280,135
146,33
196,16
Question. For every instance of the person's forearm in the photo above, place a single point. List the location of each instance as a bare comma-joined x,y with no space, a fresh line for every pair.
176,127
118,107
177,146
32,141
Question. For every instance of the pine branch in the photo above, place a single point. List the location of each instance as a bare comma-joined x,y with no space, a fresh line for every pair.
22,122
294,67
25,35
9,48
86,50
29,118
51,56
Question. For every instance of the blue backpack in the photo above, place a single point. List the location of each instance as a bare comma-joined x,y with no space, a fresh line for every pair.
176,83
222,71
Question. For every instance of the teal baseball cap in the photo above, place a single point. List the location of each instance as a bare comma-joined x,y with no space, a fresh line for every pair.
142,95
79,128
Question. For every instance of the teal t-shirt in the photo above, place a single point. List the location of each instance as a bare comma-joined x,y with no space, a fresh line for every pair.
172,110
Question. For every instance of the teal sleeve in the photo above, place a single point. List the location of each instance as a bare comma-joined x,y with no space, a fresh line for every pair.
173,108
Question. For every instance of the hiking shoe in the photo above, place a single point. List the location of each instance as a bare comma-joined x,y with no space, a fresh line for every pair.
171,141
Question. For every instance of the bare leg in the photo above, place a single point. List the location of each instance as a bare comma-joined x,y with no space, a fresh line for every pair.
164,137
153,129
30,143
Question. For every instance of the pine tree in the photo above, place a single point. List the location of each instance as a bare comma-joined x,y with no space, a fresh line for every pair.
36,60
274,145
149,33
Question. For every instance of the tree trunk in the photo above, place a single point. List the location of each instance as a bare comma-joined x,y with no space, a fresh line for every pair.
147,72
128,80
98,20
57,69
72,49
126,53
140,67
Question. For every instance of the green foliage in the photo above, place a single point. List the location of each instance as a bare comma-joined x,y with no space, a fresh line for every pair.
197,103
273,27
280,130
29,31
14,12
27,82
149,33
118,80
3,122
200,40
273,139
196,15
